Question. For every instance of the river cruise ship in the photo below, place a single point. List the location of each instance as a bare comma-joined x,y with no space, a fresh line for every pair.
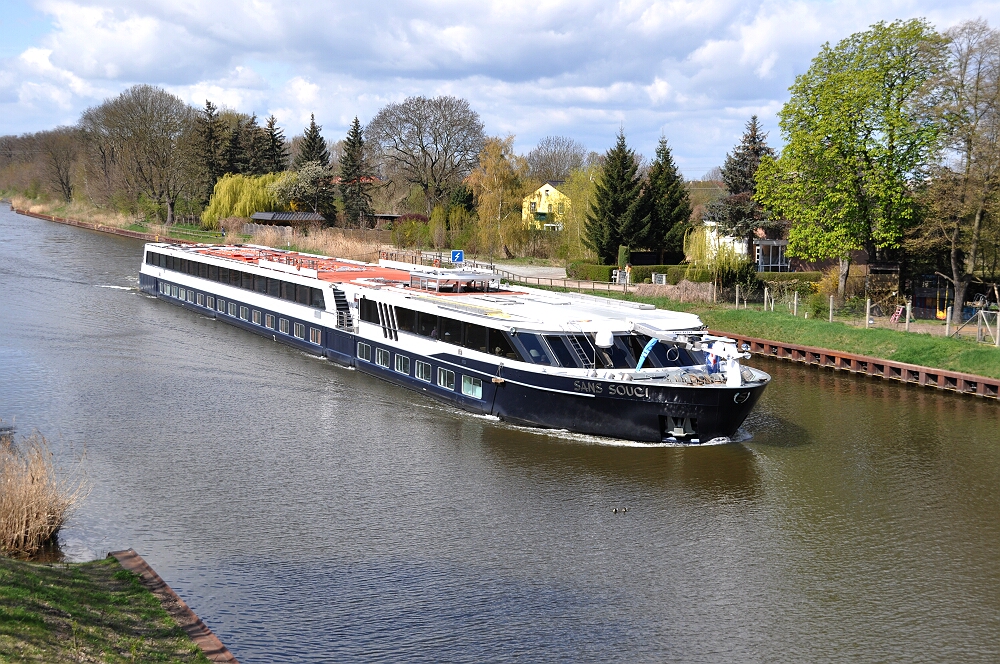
531,357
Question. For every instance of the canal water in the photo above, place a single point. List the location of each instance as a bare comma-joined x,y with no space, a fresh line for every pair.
309,513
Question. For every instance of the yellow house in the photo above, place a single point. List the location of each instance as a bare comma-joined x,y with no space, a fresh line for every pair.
546,207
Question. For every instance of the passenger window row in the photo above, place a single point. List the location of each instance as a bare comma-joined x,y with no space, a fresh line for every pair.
471,386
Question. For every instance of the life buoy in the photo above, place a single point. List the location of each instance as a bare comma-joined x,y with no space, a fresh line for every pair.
437,262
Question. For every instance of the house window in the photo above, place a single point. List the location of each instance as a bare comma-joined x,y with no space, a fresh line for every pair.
423,371
562,208
256,317
403,364
315,335
382,357
446,379
300,330
533,206
472,387
201,300
232,309
245,313
283,325
269,321
550,207
364,352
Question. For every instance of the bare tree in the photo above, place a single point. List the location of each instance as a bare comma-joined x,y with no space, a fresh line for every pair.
431,143
59,150
555,157
144,142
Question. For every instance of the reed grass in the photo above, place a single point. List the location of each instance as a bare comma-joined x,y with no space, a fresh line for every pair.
35,499
326,241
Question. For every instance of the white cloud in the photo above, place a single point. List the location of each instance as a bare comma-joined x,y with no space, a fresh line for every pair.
693,70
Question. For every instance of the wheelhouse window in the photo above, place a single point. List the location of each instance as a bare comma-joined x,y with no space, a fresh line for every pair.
283,325
364,352
269,321
256,317
538,352
382,357
446,378
472,387
315,336
423,371
300,330
403,364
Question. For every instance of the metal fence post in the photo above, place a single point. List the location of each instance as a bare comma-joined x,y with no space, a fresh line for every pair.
947,323
908,308
831,308
737,296
795,304
868,313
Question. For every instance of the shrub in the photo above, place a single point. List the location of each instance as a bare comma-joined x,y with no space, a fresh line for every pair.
34,502
589,272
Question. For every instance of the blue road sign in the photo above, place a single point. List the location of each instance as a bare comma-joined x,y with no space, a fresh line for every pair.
457,256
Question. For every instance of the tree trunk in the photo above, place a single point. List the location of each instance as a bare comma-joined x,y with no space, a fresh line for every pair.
170,211
845,269
956,310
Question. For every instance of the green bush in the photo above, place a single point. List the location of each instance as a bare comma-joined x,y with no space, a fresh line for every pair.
589,272
790,276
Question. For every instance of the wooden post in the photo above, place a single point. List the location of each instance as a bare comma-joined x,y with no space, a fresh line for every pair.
947,323
868,313
908,306
795,304
831,308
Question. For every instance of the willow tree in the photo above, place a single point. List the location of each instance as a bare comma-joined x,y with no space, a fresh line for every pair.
499,185
241,196
858,136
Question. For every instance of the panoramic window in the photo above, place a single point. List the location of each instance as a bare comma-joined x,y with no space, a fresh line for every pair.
451,330
446,379
256,317
500,346
427,325
316,335
269,321
423,371
364,352
403,364
406,319
537,351
382,357
562,351
472,387
300,330
476,337
283,325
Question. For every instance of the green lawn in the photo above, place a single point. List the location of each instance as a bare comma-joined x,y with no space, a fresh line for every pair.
89,612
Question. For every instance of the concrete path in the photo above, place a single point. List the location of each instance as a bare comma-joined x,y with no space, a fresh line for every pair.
543,271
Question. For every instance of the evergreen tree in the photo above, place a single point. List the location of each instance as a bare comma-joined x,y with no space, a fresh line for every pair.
462,197
615,193
275,153
234,156
355,180
661,214
738,214
209,147
255,148
313,147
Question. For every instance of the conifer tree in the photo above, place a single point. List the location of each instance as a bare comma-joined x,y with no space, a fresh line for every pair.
255,147
234,157
738,214
355,179
275,152
209,150
313,146
661,214
616,191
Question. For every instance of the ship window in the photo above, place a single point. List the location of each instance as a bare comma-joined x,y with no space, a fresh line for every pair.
283,325
269,321
300,330
302,294
368,311
224,275
662,355
213,272
256,317
203,270
364,352
190,296
259,283
427,325
423,371
500,346
149,257
451,331
232,309
222,305
246,281
287,291
406,320
382,357
537,352
210,302
476,337
317,298
201,300
403,364
169,263
274,287
245,313
472,387
446,379
173,291
316,335
181,293
558,346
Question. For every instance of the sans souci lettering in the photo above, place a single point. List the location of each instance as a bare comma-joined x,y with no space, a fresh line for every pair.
590,387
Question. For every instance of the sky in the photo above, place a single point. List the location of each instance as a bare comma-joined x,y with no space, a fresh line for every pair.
693,71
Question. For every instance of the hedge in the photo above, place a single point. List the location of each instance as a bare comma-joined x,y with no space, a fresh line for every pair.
675,273
589,272
790,276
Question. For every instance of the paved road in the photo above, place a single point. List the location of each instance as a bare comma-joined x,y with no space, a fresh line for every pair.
534,271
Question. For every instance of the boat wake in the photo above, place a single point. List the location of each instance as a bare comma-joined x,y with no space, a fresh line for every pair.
113,287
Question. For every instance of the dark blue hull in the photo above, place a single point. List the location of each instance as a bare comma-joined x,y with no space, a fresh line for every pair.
626,411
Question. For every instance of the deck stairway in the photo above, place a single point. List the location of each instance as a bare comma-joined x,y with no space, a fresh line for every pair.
344,319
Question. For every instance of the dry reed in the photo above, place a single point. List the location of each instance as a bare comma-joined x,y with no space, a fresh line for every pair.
35,499
327,242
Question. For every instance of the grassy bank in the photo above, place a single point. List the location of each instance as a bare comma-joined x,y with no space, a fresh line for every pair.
937,352
89,612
